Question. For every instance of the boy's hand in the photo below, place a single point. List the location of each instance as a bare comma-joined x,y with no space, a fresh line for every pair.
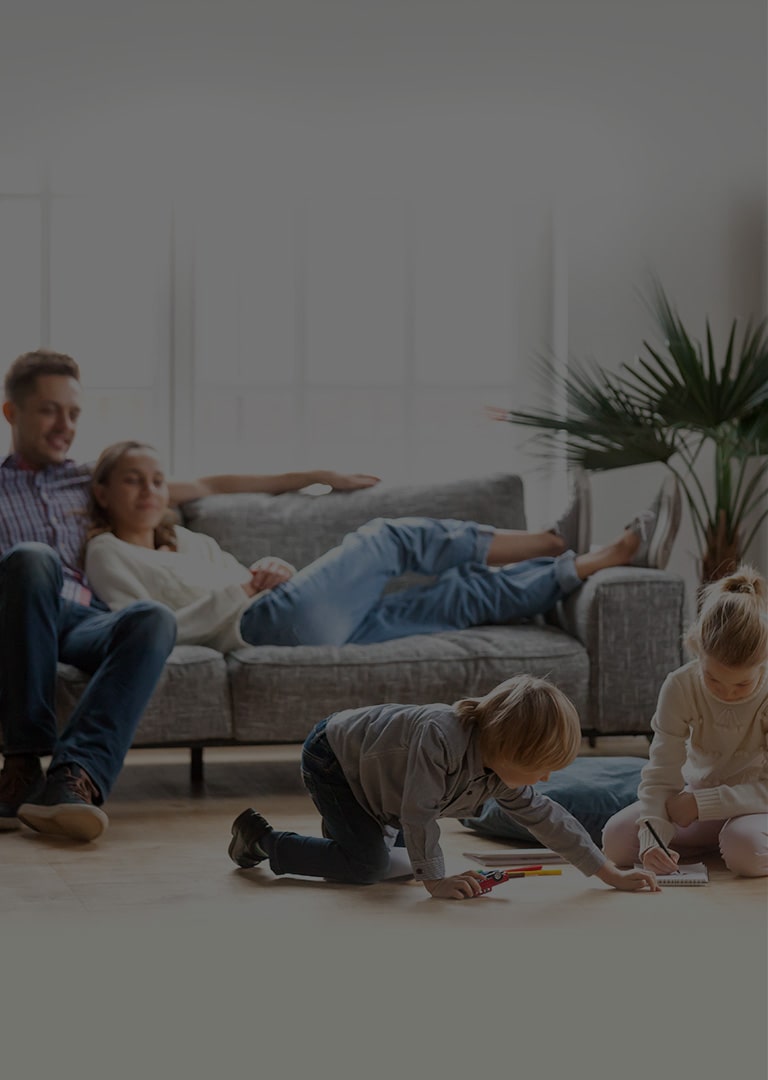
659,862
458,887
628,880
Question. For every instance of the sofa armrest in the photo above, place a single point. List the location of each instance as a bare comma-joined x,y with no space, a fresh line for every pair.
630,620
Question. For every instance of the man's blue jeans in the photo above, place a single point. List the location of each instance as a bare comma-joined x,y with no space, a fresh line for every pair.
338,598
356,848
123,652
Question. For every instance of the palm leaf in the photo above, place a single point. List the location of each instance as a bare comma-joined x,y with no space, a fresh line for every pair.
603,426
674,401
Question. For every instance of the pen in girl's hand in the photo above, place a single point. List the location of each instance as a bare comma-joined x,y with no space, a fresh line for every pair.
658,839
660,842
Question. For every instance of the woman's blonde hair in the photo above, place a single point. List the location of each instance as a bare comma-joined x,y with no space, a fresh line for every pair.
732,624
165,533
525,720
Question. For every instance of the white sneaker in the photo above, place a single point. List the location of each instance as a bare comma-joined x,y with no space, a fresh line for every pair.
575,524
657,526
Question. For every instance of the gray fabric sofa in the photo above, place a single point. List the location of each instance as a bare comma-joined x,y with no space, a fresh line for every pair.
609,646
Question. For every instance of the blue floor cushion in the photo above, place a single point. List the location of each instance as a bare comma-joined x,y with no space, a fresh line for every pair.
593,789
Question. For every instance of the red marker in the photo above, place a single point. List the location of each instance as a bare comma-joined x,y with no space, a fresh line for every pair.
496,877
493,878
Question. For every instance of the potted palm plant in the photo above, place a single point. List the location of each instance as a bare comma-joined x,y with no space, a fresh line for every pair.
672,406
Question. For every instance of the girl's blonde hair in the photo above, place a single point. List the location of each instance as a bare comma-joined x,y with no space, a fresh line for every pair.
165,533
525,720
732,624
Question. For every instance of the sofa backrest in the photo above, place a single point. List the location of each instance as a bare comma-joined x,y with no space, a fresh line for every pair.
300,527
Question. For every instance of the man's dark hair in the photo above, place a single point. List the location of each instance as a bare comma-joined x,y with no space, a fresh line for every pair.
23,372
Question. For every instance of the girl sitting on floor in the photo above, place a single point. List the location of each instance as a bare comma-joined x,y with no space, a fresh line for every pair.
706,784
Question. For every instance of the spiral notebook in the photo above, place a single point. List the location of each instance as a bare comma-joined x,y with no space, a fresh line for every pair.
687,874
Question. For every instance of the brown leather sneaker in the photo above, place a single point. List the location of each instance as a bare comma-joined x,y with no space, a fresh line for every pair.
66,806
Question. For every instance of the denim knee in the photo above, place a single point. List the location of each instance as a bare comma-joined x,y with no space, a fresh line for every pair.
151,624
375,525
371,869
32,566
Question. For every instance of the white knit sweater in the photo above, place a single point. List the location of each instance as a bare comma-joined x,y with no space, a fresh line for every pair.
199,582
717,749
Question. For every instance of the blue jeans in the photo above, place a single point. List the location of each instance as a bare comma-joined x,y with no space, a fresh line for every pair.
123,652
356,848
338,600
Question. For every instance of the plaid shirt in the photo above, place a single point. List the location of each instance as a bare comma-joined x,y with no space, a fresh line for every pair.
49,506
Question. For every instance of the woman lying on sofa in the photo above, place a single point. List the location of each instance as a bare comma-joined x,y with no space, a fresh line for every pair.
484,575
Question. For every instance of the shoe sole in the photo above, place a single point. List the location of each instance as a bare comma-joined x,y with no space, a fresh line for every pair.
235,852
238,847
76,822
667,525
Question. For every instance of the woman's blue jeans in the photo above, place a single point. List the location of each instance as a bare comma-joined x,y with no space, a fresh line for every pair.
355,848
123,652
339,598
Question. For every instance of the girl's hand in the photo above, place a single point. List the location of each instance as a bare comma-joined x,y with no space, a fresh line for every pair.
659,862
268,572
628,880
458,887
682,809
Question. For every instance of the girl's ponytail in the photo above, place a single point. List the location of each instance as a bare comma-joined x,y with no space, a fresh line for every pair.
732,625
745,580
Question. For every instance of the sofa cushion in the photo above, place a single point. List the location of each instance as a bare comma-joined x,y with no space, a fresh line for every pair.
300,528
278,693
593,789
191,702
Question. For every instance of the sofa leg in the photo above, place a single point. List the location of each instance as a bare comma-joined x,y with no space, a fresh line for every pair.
196,766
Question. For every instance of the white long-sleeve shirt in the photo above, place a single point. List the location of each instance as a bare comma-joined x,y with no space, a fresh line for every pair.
199,582
717,749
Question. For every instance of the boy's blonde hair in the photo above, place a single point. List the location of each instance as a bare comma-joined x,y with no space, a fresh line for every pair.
525,720
732,624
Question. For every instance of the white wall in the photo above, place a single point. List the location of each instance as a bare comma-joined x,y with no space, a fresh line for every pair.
371,153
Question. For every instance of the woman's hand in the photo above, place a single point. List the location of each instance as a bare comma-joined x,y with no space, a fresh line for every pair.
659,862
266,573
458,887
682,809
346,481
628,880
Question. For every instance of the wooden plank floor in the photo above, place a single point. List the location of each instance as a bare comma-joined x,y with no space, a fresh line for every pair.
183,960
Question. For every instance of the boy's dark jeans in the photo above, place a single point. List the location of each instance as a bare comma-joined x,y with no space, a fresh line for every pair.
355,850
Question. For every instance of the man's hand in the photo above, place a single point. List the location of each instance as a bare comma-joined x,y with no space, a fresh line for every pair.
266,573
628,880
346,482
458,887
682,808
